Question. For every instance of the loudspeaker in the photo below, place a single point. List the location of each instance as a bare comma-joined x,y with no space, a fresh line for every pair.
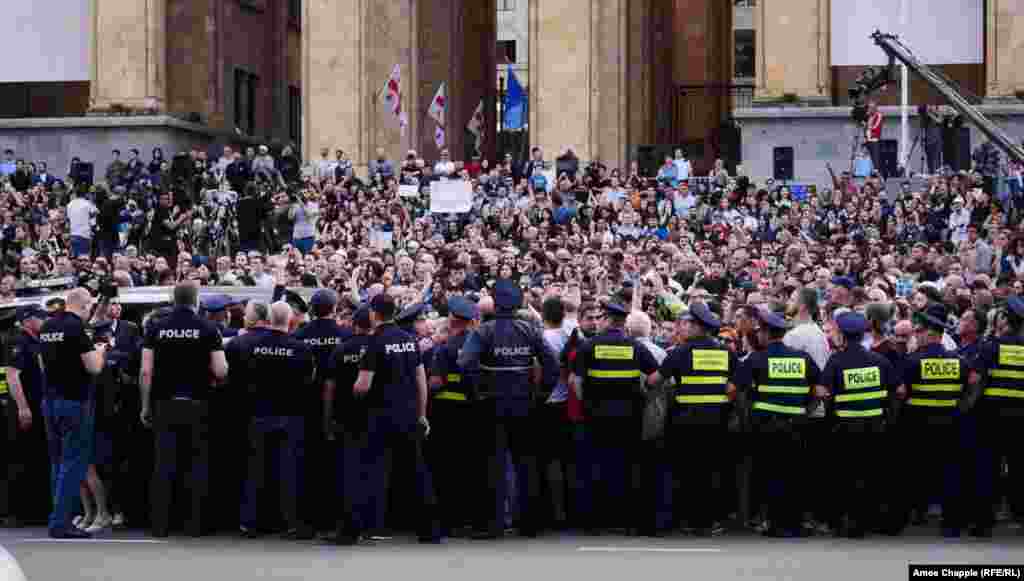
782,168
888,157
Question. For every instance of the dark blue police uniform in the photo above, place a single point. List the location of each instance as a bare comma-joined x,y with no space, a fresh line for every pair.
456,464
218,304
391,425
276,367
700,372
348,421
503,351
999,410
861,383
323,335
777,384
182,344
24,492
613,368
66,407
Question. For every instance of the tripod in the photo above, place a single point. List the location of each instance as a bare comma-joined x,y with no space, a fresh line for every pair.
856,145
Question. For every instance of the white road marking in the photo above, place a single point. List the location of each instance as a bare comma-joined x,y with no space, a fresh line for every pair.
83,541
648,550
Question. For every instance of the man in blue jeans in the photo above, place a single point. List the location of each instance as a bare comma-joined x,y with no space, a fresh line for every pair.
71,361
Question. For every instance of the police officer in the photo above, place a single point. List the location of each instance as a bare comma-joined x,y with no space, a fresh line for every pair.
343,424
859,382
271,360
393,383
504,352
457,477
180,353
27,476
216,308
70,361
935,385
999,408
323,335
701,371
608,376
777,384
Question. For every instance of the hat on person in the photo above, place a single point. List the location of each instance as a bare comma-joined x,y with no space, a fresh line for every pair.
384,305
771,319
852,323
217,303
702,314
616,310
935,316
31,312
361,318
463,308
324,297
411,314
843,281
507,296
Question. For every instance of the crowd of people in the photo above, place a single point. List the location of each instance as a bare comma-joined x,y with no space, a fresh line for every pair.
587,347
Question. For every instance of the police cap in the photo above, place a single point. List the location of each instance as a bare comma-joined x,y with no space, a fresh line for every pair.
844,281
771,319
616,310
507,296
852,323
1016,305
31,312
411,314
361,318
702,314
217,303
935,316
463,308
384,305
324,297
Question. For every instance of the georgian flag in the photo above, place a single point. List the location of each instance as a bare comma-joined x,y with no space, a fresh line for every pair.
439,137
391,95
438,106
477,124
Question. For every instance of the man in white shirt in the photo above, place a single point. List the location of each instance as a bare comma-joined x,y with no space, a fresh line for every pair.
638,326
325,167
81,216
682,165
445,167
806,335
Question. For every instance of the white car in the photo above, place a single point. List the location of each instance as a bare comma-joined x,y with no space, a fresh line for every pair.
9,569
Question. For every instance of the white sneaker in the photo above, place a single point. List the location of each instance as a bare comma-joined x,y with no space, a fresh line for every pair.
118,520
99,525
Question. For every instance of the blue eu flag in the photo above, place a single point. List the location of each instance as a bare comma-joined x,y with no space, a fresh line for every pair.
515,103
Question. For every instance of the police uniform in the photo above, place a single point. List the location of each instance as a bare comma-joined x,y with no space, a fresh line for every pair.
503,351
23,492
67,409
458,476
700,404
182,343
275,368
323,335
613,368
406,321
391,425
859,382
347,424
999,410
777,385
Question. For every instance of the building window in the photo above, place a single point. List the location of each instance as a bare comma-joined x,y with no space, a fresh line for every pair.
506,5
744,56
246,85
746,3
294,113
257,5
506,51
295,13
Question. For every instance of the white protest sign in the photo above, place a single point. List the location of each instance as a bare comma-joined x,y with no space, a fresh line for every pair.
409,191
451,196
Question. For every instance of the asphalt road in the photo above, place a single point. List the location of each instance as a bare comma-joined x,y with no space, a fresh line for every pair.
132,556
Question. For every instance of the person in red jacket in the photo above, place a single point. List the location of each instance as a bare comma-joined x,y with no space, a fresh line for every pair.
873,137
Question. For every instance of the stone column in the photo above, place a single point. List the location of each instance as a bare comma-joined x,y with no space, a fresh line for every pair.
578,78
1004,49
129,55
793,55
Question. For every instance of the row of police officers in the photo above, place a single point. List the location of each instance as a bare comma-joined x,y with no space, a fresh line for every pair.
333,418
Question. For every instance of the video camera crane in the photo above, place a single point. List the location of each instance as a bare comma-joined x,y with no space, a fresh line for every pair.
898,51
